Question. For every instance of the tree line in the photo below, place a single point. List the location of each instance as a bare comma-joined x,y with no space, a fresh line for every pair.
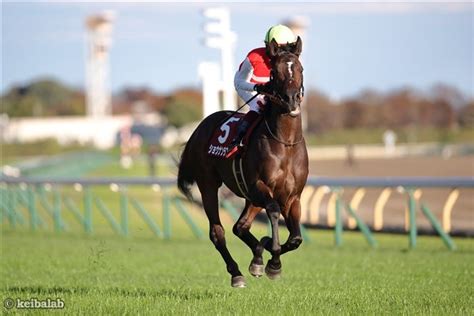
443,106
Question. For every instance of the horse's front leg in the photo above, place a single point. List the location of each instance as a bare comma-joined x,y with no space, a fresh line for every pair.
273,267
292,220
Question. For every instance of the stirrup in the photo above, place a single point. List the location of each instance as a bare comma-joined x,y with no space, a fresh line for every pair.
237,142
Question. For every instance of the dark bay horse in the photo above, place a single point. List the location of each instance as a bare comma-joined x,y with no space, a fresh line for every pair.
275,166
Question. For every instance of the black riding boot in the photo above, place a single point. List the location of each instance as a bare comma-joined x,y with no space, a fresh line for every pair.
241,130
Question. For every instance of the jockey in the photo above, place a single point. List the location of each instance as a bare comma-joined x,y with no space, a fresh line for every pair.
253,76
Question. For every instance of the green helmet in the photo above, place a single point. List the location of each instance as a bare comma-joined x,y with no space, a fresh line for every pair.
281,34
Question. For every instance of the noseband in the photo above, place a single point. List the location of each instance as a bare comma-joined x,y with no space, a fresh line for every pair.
277,98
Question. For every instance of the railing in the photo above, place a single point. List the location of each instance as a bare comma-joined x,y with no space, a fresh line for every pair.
45,193
318,187
36,193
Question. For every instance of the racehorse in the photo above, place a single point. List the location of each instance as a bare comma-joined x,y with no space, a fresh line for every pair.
275,166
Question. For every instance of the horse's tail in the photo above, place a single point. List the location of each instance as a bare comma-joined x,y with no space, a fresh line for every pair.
185,172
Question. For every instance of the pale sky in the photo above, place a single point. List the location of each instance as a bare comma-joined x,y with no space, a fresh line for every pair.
350,46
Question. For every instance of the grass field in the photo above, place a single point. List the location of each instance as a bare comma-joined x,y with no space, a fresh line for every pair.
113,275
109,274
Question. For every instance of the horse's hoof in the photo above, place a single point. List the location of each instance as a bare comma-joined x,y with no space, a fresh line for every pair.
238,281
256,270
272,274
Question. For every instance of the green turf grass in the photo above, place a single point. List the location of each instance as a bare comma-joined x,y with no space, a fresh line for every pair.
107,274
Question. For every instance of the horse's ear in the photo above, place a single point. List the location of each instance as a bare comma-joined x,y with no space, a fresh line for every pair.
272,49
298,47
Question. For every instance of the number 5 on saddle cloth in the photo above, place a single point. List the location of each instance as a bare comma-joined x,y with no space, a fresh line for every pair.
220,142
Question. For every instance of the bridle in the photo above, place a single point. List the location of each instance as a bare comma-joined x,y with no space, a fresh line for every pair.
276,97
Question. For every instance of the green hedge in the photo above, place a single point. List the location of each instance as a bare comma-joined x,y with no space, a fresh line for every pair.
375,136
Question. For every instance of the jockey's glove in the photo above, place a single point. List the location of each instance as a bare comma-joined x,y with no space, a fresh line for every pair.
265,88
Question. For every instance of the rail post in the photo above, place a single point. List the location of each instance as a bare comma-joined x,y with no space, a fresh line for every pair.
14,200
304,234
2,207
50,208
338,226
11,206
58,225
124,210
437,226
187,218
412,217
146,217
230,209
108,215
87,210
71,206
166,216
32,208
362,226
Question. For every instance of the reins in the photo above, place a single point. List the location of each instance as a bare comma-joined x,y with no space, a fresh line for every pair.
278,139
276,98
237,111
275,137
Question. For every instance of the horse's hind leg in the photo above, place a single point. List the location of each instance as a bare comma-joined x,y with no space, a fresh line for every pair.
216,231
242,230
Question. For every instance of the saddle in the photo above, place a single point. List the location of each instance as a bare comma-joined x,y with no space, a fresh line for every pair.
220,142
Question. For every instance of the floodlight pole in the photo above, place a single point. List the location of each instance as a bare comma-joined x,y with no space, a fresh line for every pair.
99,39
209,74
221,37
